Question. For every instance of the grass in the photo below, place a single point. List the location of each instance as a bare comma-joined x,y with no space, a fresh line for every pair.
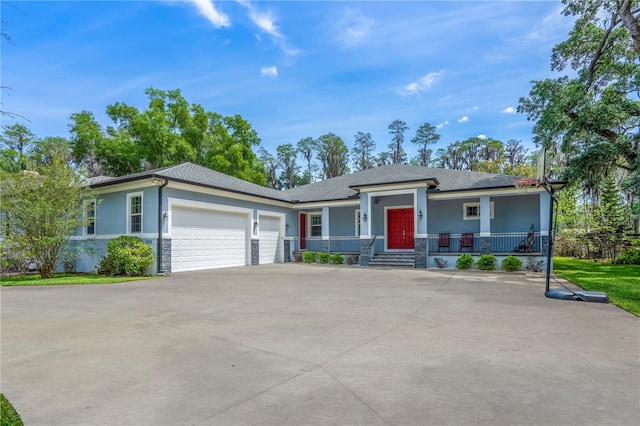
66,279
8,415
620,282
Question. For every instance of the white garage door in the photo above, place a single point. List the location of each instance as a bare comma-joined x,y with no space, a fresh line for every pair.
270,243
205,239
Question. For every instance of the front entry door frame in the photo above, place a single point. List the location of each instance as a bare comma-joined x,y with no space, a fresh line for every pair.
386,226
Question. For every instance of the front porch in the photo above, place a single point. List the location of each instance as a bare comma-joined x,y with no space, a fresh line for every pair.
425,250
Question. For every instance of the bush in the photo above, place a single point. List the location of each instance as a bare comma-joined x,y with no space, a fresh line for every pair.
629,257
511,264
297,257
324,257
337,259
352,259
464,262
309,256
440,262
486,262
126,255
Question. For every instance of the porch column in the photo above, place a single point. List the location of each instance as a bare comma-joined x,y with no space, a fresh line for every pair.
365,229
420,238
485,224
325,229
544,222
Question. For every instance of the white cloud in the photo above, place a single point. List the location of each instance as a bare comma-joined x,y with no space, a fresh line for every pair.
206,9
352,27
265,21
481,136
441,125
463,119
509,110
552,26
269,71
421,85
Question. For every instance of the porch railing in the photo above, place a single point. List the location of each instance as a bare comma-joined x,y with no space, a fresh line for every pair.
499,243
335,244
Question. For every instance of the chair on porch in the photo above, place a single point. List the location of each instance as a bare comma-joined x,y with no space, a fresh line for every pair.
444,241
466,241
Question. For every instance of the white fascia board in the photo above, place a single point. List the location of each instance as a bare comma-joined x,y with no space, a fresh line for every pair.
183,202
126,186
384,189
228,194
320,204
383,193
477,193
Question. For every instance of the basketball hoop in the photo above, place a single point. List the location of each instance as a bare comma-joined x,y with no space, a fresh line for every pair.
524,184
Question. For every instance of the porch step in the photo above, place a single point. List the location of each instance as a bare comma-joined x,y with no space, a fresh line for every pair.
393,260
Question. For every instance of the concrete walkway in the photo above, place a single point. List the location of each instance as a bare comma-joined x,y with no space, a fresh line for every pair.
305,345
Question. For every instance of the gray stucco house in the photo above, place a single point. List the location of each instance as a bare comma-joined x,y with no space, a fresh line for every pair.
196,218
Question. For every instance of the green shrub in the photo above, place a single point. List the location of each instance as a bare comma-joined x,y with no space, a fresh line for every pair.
486,262
464,262
511,264
629,257
324,257
309,256
352,259
337,259
126,255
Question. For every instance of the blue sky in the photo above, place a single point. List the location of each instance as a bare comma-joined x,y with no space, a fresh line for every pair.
292,69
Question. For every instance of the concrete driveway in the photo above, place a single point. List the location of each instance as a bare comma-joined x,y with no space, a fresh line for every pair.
302,345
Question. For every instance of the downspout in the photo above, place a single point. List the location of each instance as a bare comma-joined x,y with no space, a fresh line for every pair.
160,223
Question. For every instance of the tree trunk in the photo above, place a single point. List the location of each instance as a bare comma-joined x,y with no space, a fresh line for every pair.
631,23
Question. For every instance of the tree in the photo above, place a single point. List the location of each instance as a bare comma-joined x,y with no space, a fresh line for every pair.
425,135
306,148
333,154
593,117
287,159
515,152
270,167
18,138
383,158
168,132
17,141
397,129
362,151
42,209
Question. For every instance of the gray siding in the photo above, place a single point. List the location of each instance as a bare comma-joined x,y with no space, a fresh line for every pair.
342,221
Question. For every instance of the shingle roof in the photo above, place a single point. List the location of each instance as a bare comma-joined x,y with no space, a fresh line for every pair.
199,175
449,180
338,188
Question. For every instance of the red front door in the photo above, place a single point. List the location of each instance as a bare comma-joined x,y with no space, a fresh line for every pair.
400,229
303,231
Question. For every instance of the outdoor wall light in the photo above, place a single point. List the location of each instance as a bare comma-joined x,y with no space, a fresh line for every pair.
364,217
419,214
165,216
287,226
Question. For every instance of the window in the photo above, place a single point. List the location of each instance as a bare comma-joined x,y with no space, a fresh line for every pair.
471,211
134,208
90,217
357,223
315,222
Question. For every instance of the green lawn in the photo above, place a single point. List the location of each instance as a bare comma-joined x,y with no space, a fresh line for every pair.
620,282
8,414
66,279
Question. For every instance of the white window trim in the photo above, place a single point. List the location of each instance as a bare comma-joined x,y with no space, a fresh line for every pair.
85,203
464,211
310,226
129,197
357,230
